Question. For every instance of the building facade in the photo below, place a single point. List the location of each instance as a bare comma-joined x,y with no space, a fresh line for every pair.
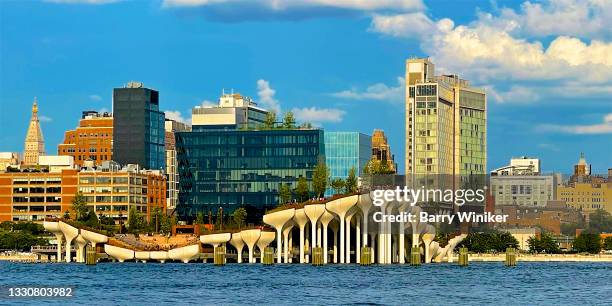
92,140
381,151
34,143
172,127
232,168
587,197
8,159
112,192
233,112
446,123
519,166
346,150
138,127
35,194
523,190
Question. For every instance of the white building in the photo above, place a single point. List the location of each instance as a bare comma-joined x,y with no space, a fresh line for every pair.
171,127
519,166
523,190
8,159
56,162
233,111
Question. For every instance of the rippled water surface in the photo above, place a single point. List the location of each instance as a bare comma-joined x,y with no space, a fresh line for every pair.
434,284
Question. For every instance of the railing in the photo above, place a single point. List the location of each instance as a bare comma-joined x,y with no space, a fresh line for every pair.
47,248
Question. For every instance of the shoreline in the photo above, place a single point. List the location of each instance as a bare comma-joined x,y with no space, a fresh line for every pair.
539,258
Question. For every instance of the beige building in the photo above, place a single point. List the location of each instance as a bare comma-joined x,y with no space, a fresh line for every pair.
446,123
8,159
171,127
587,197
34,142
234,111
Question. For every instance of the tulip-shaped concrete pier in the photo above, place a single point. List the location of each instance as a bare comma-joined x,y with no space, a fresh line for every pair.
237,243
250,238
277,220
264,240
314,212
340,207
53,227
301,219
325,219
70,232
80,248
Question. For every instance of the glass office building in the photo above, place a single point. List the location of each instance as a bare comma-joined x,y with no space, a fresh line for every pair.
138,127
345,150
234,168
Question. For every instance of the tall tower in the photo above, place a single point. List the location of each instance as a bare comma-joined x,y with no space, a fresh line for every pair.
34,142
138,127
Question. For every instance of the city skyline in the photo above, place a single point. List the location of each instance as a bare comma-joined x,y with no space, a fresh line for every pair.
189,65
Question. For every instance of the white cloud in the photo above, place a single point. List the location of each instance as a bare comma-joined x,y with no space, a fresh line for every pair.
378,91
207,103
491,49
516,94
266,96
318,115
95,98
83,1
282,5
580,18
43,118
177,116
601,128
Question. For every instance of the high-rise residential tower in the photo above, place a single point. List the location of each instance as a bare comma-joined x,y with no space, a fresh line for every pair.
171,127
446,123
34,142
138,127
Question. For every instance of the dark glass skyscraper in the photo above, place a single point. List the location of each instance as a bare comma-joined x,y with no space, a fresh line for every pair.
233,168
138,127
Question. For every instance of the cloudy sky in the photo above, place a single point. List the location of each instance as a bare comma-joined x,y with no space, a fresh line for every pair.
547,66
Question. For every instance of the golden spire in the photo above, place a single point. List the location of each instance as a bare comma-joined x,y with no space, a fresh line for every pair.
35,107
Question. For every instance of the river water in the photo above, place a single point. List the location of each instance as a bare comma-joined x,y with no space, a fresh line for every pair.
205,284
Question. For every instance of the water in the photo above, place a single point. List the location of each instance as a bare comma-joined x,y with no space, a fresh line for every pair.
206,284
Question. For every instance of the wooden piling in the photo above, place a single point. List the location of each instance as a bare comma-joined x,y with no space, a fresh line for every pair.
510,257
219,256
415,256
463,256
268,258
366,256
90,255
317,257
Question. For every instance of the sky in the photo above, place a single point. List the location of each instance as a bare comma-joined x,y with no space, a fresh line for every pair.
546,65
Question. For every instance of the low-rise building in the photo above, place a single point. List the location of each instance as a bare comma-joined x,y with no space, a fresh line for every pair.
8,159
47,190
522,235
91,140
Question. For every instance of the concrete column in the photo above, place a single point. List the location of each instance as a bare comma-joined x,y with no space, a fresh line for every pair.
60,239
348,218
286,233
334,226
341,207
325,219
301,219
250,238
358,238
81,243
237,243
265,238
277,220
365,203
427,239
70,232
314,213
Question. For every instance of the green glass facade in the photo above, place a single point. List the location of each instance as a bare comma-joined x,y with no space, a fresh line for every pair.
345,150
234,168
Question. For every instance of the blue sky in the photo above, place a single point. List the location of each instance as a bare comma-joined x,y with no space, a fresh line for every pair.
547,66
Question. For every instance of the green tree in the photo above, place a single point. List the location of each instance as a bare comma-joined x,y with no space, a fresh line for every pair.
167,222
136,221
320,178
302,191
588,242
270,120
199,218
351,181
79,206
338,185
284,194
289,120
489,241
608,243
239,216
91,219
570,228
600,221
544,244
